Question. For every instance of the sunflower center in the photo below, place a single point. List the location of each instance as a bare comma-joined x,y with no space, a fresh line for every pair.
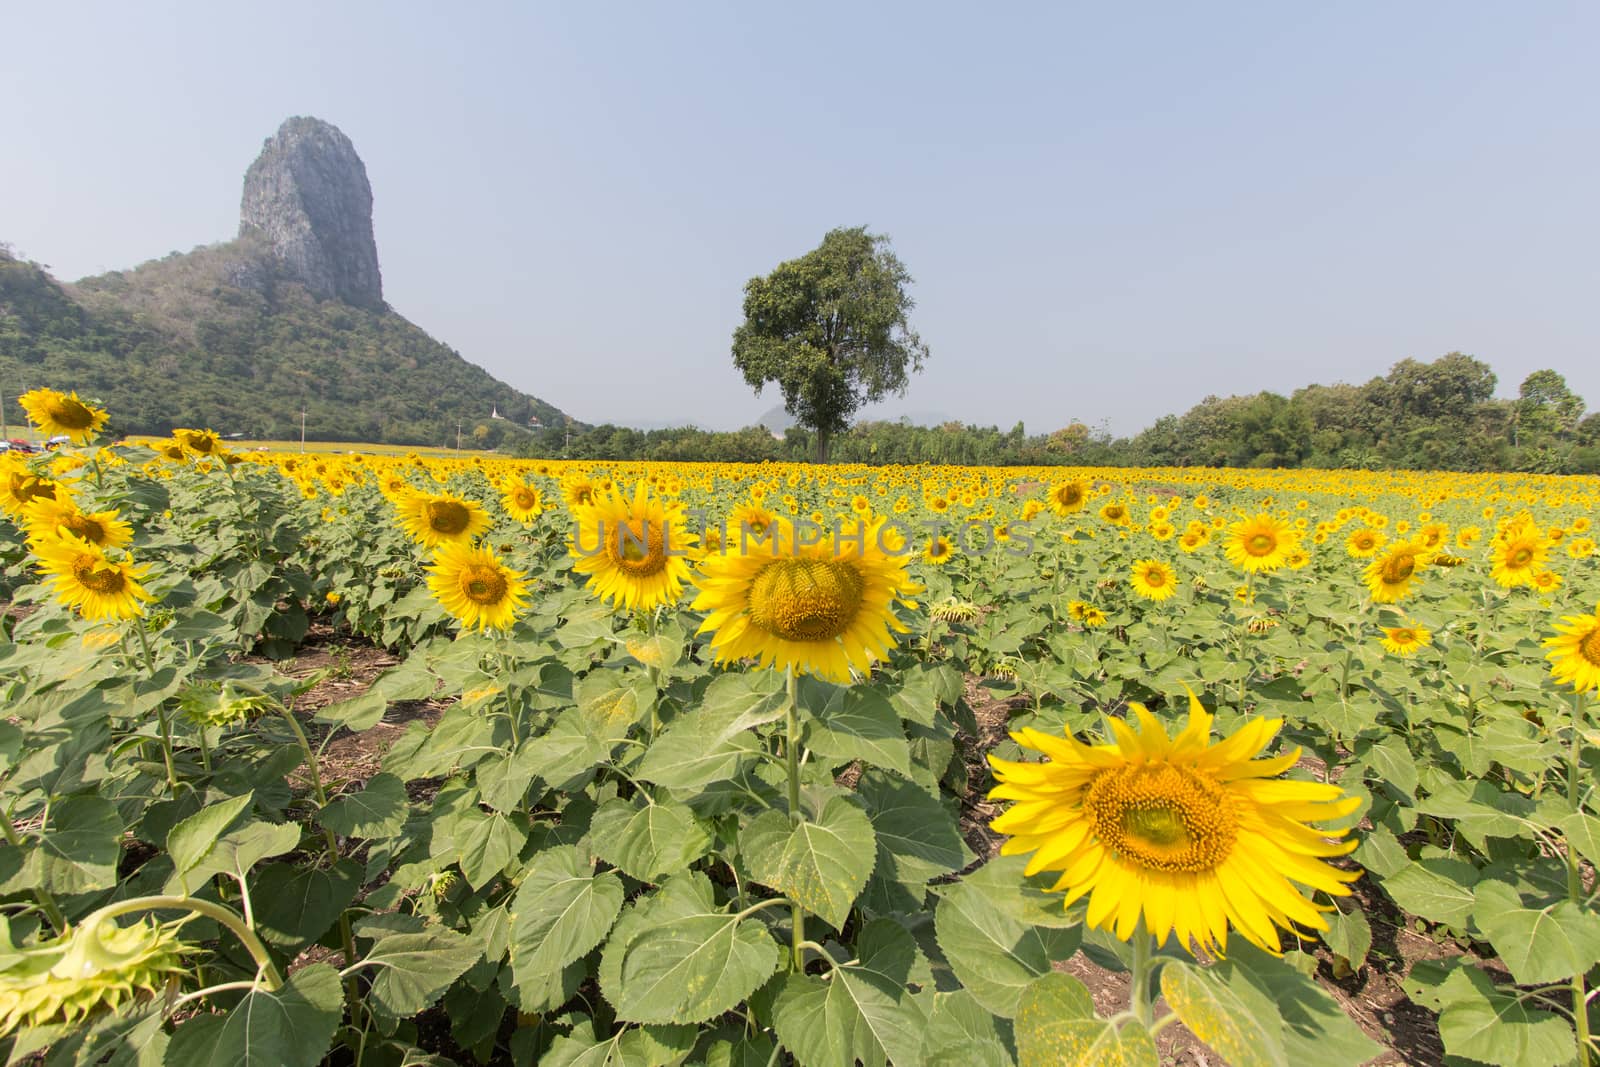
69,414
1260,544
638,547
1154,577
1403,637
1162,817
1520,557
524,497
1399,568
1589,647
93,574
806,599
87,528
483,584
448,517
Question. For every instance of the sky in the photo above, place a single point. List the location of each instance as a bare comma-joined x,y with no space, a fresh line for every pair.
1110,211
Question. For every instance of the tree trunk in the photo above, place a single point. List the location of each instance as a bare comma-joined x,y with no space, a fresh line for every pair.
823,440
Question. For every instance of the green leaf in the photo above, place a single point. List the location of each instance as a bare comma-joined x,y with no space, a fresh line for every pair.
610,703
1481,1022
488,841
78,852
289,1027
962,1033
1221,1018
648,1046
358,713
379,810
296,905
565,753
822,865
685,959
561,911
503,779
853,723
1057,1027
1393,760
994,955
1583,834
1439,890
918,840
1536,945
1349,935
235,852
851,1015
706,743
414,970
1028,900
192,838
1313,1026
647,840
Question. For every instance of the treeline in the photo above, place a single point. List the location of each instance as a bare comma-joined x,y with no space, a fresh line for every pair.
1441,415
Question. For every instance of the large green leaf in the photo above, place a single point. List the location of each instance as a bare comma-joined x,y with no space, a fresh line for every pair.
853,723
1439,890
994,955
705,744
1479,1021
295,905
822,865
561,911
1221,1018
860,1011
918,840
1536,944
190,839
648,840
378,810
684,959
962,1033
1057,1026
1314,1028
414,970
290,1027
236,851
487,842
78,852
645,1046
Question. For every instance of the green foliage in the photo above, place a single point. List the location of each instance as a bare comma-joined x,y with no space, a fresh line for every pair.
219,337
831,328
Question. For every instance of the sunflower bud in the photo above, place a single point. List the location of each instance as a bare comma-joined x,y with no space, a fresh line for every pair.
953,610
84,971
224,707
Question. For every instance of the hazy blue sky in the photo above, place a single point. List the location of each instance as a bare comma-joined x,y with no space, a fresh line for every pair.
1109,210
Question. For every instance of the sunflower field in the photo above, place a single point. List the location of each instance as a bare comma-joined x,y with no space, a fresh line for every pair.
386,760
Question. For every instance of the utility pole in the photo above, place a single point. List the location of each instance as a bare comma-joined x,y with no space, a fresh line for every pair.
302,430
458,438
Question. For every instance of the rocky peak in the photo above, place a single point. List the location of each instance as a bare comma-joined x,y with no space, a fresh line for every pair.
307,194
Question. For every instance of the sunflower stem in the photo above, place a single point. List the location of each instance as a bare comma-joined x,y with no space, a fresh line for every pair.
1140,996
224,915
1580,996
41,896
161,708
791,756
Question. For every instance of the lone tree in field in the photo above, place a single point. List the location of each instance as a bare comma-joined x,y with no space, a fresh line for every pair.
830,328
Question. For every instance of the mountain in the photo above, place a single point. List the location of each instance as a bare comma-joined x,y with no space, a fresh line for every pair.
244,335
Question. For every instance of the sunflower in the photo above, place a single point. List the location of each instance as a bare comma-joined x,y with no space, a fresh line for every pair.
1581,547
1069,497
753,518
200,442
1575,651
823,609
1364,543
522,501
48,517
437,519
1260,544
635,552
475,587
84,971
20,486
1190,836
1092,617
63,414
1389,577
939,551
1153,579
1116,514
1405,640
578,490
1518,557
84,579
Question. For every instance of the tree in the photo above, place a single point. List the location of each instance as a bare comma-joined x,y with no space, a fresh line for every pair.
830,328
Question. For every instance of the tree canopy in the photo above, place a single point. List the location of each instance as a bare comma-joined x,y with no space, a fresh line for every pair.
831,329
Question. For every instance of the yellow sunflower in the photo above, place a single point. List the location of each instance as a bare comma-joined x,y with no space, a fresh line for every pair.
1364,543
1153,579
824,609
85,580
1518,557
939,551
1575,651
20,486
1405,640
437,519
522,501
1546,581
1093,617
1389,577
200,442
636,552
1581,547
1260,544
1190,836
578,490
475,587
1069,497
48,517
62,414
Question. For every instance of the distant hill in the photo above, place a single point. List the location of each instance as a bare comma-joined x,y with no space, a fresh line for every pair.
243,336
